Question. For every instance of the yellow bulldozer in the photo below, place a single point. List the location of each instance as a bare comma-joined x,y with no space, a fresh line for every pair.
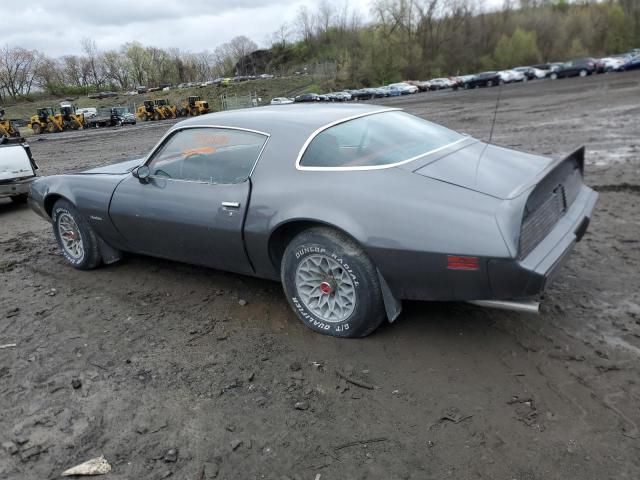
6,127
47,120
194,106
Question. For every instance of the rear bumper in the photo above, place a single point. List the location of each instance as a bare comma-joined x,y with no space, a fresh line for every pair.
531,275
13,189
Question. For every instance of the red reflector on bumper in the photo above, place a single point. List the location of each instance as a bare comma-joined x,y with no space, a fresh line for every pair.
462,263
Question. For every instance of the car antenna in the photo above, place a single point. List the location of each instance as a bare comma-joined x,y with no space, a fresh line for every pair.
493,124
495,113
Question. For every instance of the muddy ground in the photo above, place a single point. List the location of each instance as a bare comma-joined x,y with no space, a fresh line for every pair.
164,356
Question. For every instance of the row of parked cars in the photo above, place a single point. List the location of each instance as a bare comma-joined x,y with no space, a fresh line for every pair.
580,67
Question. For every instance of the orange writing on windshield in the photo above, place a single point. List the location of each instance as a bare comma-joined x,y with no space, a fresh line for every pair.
198,151
211,139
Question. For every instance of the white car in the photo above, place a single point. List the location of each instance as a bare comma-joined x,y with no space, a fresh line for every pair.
439,83
510,76
405,88
89,112
17,170
281,101
612,64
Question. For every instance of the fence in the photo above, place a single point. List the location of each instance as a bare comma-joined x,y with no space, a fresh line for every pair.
234,102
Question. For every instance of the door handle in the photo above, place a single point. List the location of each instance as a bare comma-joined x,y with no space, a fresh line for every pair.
231,204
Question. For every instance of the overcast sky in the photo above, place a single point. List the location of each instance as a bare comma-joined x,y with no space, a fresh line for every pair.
56,26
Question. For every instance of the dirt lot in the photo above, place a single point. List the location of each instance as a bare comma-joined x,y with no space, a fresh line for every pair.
168,358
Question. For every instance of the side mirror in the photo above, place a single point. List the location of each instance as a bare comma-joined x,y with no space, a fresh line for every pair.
142,173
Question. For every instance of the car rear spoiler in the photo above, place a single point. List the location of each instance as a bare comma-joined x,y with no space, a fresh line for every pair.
577,156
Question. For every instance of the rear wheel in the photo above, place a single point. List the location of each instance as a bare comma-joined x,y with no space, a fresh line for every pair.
553,76
331,284
76,238
490,83
37,129
583,73
51,128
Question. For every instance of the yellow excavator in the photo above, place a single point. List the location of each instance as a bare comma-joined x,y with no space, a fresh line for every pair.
47,120
6,127
194,106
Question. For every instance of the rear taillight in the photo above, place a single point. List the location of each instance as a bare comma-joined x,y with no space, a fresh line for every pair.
455,262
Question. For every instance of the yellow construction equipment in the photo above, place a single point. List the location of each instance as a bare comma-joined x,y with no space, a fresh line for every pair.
70,119
146,110
156,110
47,120
194,106
40,122
6,127
163,110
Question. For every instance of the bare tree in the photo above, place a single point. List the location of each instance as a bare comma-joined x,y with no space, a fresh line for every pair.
305,23
117,68
17,70
240,47
93,62
281,35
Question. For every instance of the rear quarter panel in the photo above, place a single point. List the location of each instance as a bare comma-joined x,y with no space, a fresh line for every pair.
406,223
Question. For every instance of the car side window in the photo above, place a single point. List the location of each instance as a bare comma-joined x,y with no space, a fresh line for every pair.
376,140
209,155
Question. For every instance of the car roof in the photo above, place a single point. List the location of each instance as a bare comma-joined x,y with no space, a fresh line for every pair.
300,119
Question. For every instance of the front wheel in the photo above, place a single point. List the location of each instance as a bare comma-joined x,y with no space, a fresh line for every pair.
583,73
331,284
76,238
554,76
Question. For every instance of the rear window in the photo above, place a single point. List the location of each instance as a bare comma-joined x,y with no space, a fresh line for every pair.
376,140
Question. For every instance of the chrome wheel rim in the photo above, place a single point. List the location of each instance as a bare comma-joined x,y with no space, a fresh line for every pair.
325,288
70,236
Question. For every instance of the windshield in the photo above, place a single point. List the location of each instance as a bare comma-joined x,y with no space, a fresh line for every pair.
121,110
381,139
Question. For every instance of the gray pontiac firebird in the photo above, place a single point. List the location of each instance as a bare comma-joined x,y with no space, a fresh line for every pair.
353,207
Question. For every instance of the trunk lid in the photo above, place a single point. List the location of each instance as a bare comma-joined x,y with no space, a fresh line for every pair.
500,172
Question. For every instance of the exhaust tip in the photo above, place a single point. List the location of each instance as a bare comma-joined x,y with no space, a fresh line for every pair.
526,306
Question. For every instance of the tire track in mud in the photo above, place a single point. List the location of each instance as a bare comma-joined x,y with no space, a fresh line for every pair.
617,188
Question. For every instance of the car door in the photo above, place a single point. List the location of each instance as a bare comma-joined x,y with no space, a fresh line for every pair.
191,207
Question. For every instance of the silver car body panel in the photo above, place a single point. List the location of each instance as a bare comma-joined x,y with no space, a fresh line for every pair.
465,199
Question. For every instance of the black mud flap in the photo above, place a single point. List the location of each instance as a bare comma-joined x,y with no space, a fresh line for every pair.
108,253
392,306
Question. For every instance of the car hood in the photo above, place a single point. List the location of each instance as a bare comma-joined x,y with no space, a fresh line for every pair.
489,169
116,168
